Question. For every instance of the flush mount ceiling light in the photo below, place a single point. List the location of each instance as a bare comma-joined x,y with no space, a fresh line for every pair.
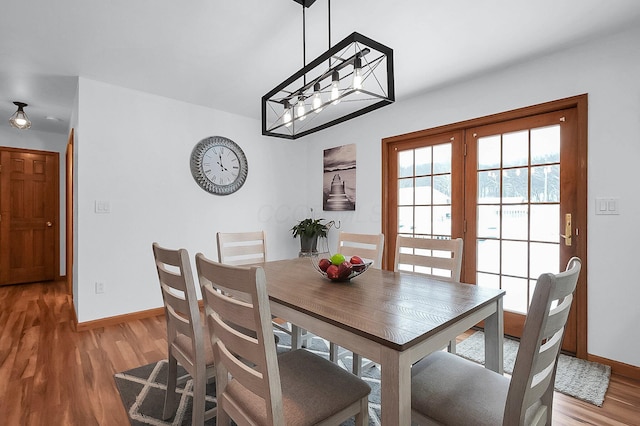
19,119
352,78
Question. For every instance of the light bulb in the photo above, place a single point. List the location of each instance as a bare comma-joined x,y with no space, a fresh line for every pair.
301,110
287,115
317,100
357,74
335,88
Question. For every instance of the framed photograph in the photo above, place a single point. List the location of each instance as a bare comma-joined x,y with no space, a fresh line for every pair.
339,178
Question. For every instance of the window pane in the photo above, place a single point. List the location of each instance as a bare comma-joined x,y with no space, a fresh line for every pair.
514,258
423,161
442,189
516,296
489,152
488,256
488,280
488,222
515,185
423,190
515,149
488,187
544,222
442,158
442,220
423,220
545,183
405,163
544,258
515,221
545,145
405,220
405,191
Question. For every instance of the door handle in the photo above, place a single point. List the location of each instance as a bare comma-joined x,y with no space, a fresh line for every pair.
49,224
567,230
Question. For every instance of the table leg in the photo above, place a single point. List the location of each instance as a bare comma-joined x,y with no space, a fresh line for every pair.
395,388
494,339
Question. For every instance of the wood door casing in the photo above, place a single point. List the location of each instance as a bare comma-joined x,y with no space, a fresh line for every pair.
29,205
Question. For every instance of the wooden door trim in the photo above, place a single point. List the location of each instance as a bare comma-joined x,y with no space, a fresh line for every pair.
578,102
69,213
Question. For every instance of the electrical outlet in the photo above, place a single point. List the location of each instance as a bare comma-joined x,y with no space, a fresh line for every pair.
100,287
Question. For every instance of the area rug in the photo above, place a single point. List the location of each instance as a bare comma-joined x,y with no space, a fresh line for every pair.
584,380
142,389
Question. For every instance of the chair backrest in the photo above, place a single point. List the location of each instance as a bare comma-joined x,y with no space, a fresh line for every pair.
530,396
242,248
440,259
369,246
239,319
180,302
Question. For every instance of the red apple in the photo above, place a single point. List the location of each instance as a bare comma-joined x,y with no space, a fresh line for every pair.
323,264
344,270
357,262
332,272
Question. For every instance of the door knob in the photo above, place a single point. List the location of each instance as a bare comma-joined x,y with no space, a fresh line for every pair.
49,224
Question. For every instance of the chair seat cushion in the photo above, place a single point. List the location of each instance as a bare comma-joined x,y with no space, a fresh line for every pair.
313,389
451,390
183,344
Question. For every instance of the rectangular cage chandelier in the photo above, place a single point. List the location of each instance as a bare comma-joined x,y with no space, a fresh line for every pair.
350,79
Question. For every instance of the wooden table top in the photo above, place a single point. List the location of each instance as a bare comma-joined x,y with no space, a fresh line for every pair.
396,309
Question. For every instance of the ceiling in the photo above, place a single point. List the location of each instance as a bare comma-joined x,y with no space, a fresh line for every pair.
228,54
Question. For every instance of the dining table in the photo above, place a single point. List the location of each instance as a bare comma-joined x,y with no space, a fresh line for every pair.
391,318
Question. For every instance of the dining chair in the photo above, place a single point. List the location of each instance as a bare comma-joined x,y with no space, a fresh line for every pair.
449,390
254,385
440,259
185,331
247,248
369,246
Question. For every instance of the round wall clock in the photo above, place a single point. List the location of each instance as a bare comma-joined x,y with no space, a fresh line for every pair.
219,165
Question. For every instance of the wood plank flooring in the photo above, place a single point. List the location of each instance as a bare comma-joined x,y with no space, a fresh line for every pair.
51,375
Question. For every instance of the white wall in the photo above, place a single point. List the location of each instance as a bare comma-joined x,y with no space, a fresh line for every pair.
133,151
608,70
42,141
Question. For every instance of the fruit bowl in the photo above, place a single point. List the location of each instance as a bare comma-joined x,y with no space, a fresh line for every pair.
346,269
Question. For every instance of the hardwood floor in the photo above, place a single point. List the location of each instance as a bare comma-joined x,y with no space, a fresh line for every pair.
51,375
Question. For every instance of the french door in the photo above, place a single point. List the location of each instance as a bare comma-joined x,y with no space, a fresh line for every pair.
512,186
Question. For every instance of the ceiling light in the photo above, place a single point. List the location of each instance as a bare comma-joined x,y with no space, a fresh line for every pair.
355,76
19,119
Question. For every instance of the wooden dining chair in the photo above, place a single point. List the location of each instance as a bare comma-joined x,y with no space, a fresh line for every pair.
449,390
440,259
186,333
368,246
254,385
247,248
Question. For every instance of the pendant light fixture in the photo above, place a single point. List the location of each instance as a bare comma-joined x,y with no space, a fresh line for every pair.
352,78
19,119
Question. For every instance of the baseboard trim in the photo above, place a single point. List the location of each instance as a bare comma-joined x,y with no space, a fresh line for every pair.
119,319
617,367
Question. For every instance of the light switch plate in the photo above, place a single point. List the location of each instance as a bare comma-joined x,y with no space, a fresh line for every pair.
607,206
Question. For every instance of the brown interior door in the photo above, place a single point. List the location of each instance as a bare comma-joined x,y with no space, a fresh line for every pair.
29,197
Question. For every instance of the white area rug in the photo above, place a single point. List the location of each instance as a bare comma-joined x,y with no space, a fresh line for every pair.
575,377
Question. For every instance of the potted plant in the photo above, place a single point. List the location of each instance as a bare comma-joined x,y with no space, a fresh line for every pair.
309,230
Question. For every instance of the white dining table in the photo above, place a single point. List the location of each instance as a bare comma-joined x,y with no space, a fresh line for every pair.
391,318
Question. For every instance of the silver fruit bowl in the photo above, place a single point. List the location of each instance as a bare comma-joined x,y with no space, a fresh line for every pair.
353,271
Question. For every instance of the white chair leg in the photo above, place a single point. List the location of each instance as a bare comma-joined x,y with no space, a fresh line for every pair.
170,395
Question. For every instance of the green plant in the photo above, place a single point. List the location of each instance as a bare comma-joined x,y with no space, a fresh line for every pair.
310,228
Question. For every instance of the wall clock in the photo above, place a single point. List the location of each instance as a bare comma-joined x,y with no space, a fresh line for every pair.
219,165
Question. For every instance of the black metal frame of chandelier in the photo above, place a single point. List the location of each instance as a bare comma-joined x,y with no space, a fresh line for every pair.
354,37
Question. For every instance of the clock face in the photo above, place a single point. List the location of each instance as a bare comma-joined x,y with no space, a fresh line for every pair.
218,165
